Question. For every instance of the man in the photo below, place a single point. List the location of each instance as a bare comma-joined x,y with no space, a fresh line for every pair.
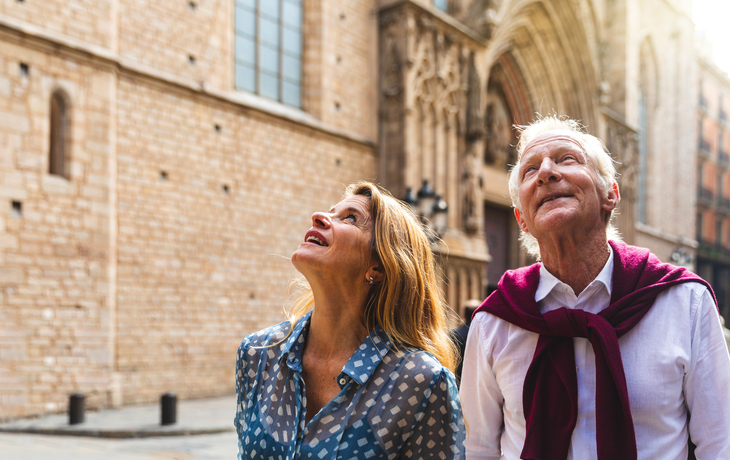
601,351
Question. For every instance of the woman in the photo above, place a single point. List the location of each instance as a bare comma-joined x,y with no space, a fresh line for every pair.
367,372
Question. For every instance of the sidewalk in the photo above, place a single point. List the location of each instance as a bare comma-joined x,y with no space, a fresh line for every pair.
194,417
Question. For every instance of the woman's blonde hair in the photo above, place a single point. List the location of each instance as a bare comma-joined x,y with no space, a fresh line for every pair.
408,304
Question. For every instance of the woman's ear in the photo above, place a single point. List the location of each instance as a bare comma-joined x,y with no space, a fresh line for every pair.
376,272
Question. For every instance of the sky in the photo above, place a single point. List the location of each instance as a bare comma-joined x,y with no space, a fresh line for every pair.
713,18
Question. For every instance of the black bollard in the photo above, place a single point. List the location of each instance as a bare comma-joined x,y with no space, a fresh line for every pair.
76,409
168,405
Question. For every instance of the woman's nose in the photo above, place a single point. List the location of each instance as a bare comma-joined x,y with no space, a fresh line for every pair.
320,219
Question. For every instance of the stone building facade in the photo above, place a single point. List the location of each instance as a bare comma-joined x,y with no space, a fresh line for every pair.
713,176
160,161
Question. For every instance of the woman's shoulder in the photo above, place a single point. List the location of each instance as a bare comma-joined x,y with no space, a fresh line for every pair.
420,365
266,337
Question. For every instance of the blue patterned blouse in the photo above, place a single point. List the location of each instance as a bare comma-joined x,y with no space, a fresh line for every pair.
392,404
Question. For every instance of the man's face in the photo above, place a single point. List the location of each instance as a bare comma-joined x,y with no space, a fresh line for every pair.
559,188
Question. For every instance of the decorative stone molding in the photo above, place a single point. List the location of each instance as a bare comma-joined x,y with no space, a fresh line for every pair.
431,121
621,140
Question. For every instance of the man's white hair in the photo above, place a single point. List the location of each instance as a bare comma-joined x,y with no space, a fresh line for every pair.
596,151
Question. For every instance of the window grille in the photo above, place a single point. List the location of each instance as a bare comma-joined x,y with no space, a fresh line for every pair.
268,49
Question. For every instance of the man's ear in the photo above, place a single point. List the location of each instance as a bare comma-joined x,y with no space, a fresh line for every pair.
520,222
612,199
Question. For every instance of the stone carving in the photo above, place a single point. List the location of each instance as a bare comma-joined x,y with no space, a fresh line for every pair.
474,139
499,139
481,16
474,120
621,141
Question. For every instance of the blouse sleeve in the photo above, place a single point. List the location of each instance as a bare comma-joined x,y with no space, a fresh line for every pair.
242,367
439,431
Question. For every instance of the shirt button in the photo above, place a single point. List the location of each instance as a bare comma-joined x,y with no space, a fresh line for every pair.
342,381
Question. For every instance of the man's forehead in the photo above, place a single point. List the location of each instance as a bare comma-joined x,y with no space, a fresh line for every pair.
558,136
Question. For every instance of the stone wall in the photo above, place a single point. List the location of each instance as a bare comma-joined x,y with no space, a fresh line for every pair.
203,253
168,240
54,233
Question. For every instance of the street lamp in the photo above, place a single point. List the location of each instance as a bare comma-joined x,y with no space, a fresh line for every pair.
430,207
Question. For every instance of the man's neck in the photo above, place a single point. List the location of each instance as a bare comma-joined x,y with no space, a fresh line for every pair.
576,266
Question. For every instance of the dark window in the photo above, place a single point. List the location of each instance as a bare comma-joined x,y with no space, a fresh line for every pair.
58,149
269,49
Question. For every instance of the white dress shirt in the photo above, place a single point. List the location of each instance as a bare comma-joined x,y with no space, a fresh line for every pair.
675,360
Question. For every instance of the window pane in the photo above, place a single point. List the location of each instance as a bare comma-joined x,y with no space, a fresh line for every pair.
292,94
251,4
269,8
440,4
269,59
245,22
245,78
292,42
269,31
269,86
292,15
246,50
292,68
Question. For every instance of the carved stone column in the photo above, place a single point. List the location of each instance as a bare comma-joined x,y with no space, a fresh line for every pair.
621,141
431,126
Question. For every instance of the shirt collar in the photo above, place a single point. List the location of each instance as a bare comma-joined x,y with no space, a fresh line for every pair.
293,347
548,281
366,358
359,367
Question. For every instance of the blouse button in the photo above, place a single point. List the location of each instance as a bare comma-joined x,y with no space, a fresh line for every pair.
342,381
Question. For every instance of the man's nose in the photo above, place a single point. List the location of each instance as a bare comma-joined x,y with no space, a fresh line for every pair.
548,171
321,220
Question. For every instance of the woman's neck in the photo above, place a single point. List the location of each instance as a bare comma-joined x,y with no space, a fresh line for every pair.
337,326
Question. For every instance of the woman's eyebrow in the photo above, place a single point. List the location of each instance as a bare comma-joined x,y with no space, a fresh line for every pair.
348,209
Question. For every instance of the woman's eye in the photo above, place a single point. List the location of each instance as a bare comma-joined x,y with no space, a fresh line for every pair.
351,217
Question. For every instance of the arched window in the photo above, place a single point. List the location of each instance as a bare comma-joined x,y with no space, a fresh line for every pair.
58,147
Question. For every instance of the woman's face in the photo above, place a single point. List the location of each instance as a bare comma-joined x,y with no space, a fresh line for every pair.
338,244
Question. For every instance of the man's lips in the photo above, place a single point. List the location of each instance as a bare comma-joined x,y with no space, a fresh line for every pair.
552,198
315,237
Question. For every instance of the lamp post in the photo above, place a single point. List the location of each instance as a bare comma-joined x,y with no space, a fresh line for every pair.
430,207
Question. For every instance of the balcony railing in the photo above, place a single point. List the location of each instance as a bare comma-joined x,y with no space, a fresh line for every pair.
724,159
703,101
705,194
724,203
704,145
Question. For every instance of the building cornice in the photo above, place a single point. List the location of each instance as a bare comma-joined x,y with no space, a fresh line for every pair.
712,67
446,20
656,233
30,34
